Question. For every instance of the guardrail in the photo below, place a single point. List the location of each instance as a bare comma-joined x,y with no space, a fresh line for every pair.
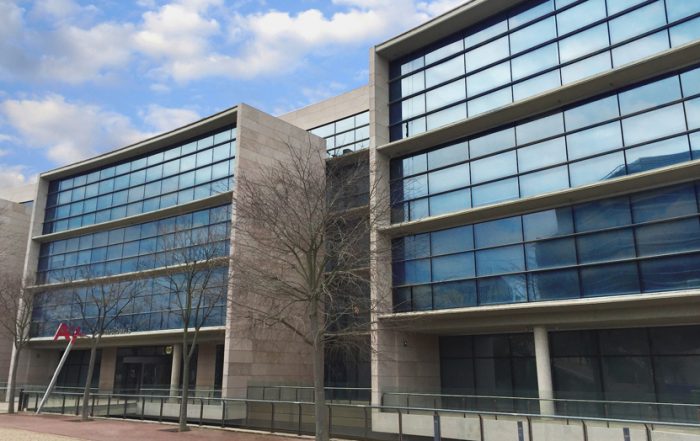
656,412
346,420
306,393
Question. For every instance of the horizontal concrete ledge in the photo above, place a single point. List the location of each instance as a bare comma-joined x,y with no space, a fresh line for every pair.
218,199
182,134
669,60
442,26
668,308
670,175
165,336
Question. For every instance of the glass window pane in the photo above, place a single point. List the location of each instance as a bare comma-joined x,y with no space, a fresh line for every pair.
580,15
658,154
453,240
531,12
498,232
533,35
542,154
453,267
446,94
535,61
503,289
490,101
668,237
447,116
412,272
536,85
493,142
488,79
605,280
602,214
654,124
553,285
544,181
493,167
550,253
591,113
549,223
595,140
637,22
650,95
448,155
670,273
663,204
499,191
685,32
501,260
411,247
585,68
454,294
449,178
692,111
485,34
639,49
597,169
443,72
444,51
487,54
540,128
608,245
450,202
678,9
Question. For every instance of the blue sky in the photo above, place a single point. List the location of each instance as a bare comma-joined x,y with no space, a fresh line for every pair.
81,77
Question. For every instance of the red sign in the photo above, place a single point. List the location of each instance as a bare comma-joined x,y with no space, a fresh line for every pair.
68,332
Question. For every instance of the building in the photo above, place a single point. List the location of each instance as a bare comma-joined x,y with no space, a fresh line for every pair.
540,157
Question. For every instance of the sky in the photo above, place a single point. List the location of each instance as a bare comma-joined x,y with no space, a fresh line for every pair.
78,78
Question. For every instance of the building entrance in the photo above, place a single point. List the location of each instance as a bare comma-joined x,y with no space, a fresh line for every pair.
146,367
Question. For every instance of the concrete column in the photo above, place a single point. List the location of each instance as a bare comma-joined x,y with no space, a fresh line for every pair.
108,365
175,371
206,366
544,371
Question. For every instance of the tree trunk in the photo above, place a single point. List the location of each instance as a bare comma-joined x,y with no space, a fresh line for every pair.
319,390
88,382
185,385
13,382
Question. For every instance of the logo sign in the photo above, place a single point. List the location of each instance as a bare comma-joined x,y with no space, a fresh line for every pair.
70,333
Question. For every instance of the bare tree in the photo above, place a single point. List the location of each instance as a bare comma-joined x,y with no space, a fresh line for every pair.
16,304
102,303
195,264
302,230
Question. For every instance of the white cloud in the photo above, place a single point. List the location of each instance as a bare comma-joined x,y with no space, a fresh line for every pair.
163,119
15,176
68,132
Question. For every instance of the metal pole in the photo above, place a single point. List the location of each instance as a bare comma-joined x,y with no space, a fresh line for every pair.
436,427
52,384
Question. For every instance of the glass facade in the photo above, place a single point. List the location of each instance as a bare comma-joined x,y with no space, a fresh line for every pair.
639,364
640,128
640,243
155,308
173,176
345,135
527,50
134,248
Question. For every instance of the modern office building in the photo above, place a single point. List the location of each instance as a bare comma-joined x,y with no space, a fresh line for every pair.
541,162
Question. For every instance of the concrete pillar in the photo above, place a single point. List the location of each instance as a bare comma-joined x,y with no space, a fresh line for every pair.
544,371
175,371
108,366
206,366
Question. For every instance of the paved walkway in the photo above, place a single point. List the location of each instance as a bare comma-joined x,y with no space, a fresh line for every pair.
26,427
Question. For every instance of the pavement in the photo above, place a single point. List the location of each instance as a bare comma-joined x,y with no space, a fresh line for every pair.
29,427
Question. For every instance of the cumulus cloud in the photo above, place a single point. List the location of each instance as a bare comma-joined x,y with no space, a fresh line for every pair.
163,119
68,132
15,176
185,40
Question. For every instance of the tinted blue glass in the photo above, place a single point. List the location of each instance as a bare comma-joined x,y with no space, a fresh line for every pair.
501,260
668,237
597,169
658,154
402,299
685,32
454,294
650,95
670,273
544,181
498,232
637,22
610,245
542,154
664,204
540,128
503,289
453,240
448,155
553,285
595,140
546,224
450,202
588,114
492,142
602,214
487,54
488,79
551,253
498,191
641,48
533,35
493,167
490,101
535,61
449,93
422,298
691,82
584,68
580,15
536,85
438,74
692,112
453,267
621,278
678,9
412,247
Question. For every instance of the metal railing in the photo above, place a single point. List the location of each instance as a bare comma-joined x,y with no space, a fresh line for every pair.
347,395
346,420
656,412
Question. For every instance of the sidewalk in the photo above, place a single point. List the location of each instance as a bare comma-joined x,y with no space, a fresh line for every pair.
55,427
